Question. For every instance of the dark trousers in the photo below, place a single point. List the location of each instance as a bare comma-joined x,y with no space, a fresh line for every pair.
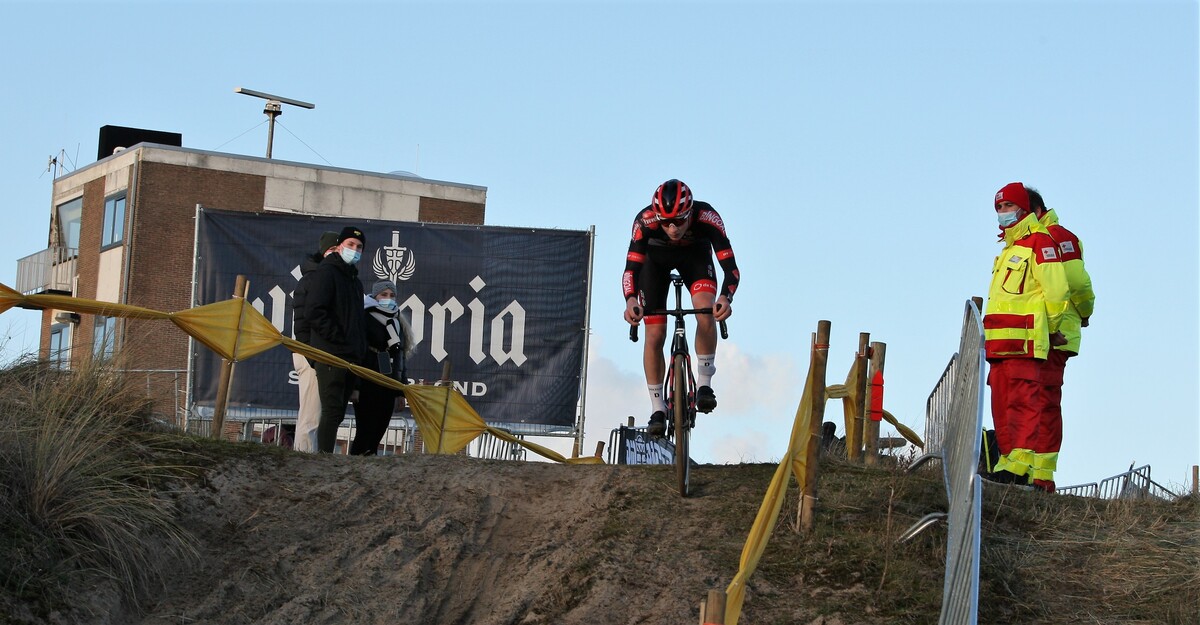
334,385
372,416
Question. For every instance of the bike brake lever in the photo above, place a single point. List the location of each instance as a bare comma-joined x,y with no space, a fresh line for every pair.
724,330
633,334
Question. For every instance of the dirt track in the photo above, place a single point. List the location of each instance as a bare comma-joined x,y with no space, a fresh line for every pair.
425,539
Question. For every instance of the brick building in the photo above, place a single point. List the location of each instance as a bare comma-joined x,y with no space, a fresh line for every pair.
122,230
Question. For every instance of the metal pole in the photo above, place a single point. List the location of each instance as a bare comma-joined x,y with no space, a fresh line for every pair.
191,359
273,109
820,358
587,335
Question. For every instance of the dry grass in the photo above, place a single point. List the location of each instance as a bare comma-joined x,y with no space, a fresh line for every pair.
1079,560
81,468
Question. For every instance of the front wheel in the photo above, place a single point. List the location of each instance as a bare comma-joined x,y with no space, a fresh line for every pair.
680,417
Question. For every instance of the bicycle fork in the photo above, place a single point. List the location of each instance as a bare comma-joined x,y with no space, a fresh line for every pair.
678,349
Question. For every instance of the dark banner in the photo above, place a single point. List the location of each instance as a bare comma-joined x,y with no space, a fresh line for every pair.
637,447
506,307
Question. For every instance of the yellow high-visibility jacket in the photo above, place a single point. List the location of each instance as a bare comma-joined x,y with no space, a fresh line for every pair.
1028,295
1082,300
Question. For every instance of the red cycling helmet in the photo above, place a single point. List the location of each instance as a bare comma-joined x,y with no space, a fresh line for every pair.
672,200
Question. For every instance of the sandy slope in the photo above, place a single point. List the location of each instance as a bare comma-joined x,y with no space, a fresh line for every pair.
429,539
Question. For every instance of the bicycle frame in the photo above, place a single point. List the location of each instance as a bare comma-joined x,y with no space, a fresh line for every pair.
679,384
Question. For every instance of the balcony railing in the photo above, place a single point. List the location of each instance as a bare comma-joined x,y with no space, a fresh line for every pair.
50,270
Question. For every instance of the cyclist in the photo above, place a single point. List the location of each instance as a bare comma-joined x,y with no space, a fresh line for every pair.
676,233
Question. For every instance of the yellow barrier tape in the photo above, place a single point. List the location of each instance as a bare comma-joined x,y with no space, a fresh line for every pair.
236,331
904,430
795,460
794,463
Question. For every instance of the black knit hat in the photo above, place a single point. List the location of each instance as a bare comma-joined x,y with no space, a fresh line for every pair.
328,239
350,232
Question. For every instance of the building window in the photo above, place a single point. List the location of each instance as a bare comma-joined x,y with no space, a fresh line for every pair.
114,220
69,216
60,346
104,337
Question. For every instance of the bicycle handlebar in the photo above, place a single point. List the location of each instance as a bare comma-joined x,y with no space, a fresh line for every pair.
633,329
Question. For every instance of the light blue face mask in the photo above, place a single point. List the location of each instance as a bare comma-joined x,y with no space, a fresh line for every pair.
387,305
1007,219
350,256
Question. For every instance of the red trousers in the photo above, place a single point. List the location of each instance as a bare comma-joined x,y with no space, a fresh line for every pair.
1019,399
1050,430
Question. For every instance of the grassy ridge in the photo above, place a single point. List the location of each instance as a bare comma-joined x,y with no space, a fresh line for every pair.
81,468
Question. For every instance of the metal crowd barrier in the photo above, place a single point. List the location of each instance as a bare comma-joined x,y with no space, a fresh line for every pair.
953,434
937,409
1133,484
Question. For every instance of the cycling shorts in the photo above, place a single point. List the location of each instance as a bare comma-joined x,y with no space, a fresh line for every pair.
694,264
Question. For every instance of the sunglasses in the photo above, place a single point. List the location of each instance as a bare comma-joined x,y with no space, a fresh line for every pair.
678,222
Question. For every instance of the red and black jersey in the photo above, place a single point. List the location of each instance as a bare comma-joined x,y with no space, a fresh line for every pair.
706,228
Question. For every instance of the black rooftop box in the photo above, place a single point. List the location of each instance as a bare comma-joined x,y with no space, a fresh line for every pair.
113,137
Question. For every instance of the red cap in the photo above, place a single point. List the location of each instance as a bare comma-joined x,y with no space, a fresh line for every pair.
1013,192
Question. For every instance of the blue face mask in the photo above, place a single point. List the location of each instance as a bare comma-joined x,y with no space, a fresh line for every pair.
350,256
387,305
1007,219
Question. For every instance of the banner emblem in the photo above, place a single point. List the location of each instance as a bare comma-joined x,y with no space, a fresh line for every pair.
394,262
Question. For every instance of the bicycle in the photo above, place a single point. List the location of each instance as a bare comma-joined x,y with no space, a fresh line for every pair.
680,383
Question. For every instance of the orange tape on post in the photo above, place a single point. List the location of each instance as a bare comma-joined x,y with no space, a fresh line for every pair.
877,396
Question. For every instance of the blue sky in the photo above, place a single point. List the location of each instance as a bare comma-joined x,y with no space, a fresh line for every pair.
853,149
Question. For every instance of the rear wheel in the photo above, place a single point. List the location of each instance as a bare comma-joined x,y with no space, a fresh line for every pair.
680,417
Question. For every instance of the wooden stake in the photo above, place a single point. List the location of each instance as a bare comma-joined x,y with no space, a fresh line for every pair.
218,423
1196,479
599,449
820,353
854,448
871,440
445,381
713,608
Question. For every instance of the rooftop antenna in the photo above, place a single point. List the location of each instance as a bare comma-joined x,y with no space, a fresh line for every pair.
274,108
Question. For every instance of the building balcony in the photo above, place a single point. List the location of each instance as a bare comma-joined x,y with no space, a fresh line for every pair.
51,270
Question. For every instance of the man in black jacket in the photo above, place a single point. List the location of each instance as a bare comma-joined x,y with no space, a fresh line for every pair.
333,314
309,414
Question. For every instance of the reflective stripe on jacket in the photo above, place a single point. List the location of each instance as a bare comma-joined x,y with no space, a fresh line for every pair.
1028,295
1082,300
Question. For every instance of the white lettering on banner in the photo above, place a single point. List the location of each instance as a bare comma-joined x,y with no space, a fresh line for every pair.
466,387
508,323
437,330
517,353
476,307
477,389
